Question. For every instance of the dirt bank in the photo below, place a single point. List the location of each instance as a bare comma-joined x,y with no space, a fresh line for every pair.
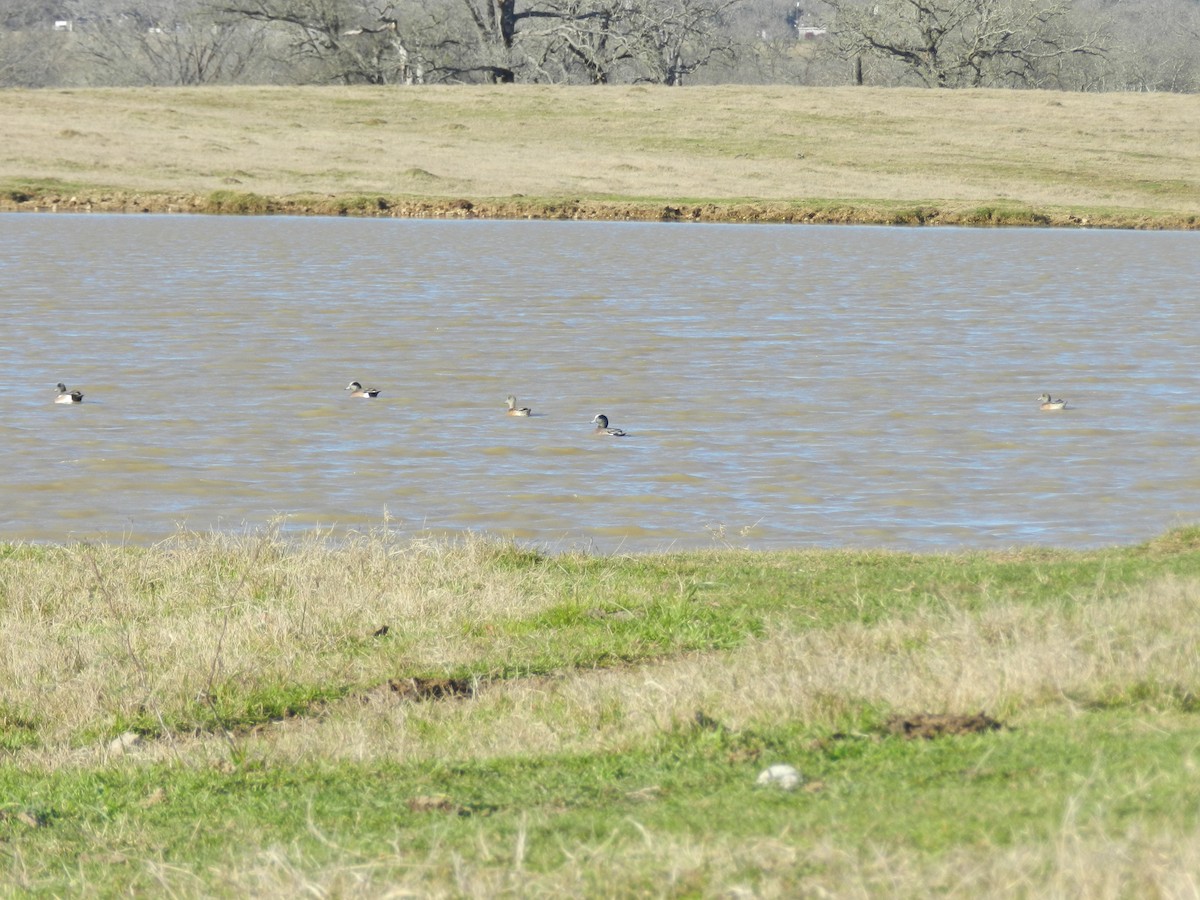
831,212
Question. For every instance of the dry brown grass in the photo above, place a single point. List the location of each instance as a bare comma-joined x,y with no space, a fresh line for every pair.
91,634
835,153
1017,662
165,626
1079,864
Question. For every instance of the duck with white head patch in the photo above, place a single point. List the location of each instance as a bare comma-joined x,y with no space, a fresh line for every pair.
603,428
65,396
514,410
357,390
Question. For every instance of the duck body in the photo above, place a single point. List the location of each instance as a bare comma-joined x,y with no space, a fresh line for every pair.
1048,403
357,390
514,410
65,396
602,427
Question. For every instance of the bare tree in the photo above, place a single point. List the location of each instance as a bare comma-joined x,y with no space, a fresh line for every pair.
1156,46
379,49
347,41
161,42
677,37
32,53
961,43
603,41
1092,45
27,15
588,34
392,41
499,31
34,58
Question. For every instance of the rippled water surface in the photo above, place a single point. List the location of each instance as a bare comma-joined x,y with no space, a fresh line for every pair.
781,386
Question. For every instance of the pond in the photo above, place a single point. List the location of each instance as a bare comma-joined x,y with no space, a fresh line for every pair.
781,386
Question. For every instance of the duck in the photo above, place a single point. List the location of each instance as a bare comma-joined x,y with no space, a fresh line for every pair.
1048,403
601,423
357,390
65,396
514,410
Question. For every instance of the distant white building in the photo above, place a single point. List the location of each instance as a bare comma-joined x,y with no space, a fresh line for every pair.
804,30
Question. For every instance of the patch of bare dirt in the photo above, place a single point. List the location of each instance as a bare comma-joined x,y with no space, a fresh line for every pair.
928,726
436,803
28,818
420,689
920,726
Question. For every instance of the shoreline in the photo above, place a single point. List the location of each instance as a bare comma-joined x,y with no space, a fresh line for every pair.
801,212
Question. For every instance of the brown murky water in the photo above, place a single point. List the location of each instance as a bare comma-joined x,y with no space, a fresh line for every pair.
781,386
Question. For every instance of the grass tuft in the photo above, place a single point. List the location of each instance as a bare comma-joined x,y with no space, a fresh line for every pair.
1005,215
237,203
1185,539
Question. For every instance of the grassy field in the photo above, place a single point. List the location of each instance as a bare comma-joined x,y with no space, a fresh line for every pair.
227,715
248,715
710,154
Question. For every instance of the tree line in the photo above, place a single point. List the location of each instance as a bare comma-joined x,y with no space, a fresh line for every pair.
1084,45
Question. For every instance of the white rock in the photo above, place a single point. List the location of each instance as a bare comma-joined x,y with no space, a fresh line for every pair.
782,776
125,742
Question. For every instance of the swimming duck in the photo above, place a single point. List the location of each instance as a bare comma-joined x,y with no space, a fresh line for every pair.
357,390
514,410
1048,403
601,423
65,396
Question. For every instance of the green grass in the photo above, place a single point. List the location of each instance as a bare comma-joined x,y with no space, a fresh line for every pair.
616,715
867,794
237,203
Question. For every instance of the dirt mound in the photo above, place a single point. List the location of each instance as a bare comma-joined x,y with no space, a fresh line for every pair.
417,689
931,725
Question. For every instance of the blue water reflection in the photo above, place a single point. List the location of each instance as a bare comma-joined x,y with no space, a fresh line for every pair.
782,386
